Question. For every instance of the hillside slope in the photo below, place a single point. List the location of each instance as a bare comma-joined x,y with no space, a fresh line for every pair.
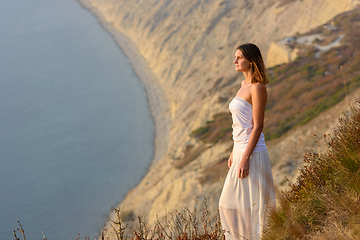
324,71
323,203
188,46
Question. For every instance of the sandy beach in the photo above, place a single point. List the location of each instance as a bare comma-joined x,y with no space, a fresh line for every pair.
155,94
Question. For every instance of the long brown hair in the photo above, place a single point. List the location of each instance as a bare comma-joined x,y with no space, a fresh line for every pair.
252,53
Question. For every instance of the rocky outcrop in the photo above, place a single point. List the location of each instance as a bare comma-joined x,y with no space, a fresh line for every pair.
280,53
188,47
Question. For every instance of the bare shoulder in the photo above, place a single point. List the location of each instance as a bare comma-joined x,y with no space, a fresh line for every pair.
258,88
259,94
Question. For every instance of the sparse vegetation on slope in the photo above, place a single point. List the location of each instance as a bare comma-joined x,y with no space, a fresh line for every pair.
314,81
303,89
324,203
181,225
218,129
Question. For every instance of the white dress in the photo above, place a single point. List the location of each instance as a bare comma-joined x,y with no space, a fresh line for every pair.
244,202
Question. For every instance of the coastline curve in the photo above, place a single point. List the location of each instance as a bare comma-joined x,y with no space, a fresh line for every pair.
156,96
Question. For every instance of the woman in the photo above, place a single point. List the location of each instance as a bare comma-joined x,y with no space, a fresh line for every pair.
249,187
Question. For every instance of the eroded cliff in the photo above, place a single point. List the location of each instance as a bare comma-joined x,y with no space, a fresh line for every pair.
188,46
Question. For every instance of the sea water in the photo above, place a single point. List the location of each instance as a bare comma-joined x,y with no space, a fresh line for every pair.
75,128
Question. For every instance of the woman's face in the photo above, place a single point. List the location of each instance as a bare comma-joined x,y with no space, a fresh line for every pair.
241,63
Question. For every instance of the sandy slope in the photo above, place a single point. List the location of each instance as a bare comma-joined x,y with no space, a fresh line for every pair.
183,52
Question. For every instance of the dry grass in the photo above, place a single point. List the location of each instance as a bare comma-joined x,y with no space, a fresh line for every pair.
324,203
181,225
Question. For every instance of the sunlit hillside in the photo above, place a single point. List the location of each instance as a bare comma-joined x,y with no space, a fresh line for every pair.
301,90
324,201
188,47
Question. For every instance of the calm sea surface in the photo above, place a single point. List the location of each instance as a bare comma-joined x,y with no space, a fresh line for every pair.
75,128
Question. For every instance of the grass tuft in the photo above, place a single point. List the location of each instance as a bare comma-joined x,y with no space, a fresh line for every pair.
324,203
181,225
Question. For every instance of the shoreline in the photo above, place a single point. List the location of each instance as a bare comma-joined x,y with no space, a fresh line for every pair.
156,97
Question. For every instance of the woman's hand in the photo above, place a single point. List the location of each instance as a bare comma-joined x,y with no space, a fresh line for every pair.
243,168
230,160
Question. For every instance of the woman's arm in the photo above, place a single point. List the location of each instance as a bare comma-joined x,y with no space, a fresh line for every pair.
259,98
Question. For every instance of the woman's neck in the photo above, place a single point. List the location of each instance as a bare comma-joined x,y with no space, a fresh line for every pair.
248,76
